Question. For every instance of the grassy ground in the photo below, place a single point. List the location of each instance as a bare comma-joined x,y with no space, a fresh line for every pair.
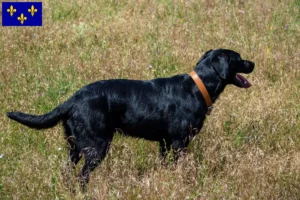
249,147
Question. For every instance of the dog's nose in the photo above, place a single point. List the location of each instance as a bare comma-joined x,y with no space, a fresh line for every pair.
249,66
249,63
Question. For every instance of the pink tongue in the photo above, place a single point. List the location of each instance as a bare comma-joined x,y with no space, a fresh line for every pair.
243,81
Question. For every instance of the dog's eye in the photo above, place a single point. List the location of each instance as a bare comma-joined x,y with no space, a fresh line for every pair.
236,59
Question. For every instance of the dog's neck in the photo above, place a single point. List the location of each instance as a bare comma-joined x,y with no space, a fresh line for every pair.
213,83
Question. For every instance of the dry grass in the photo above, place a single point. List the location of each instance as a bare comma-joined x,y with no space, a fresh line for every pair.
249,147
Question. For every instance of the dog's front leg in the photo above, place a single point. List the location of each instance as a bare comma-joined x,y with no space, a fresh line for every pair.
164,149
179,148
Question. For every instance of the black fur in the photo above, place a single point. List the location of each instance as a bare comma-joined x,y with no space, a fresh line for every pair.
168,110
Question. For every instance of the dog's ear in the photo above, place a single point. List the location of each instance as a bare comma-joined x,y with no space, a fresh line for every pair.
220,61
204,56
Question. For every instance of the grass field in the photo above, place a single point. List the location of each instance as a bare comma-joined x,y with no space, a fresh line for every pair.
249,147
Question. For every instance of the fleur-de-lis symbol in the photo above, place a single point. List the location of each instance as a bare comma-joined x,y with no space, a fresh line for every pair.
11,10
22,18
32,10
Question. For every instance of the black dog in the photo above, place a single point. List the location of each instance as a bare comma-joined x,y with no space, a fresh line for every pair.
168,110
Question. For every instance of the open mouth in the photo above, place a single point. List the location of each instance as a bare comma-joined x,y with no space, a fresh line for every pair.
241,81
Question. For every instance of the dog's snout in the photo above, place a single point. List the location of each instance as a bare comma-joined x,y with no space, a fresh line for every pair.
249,66
249,63
252,63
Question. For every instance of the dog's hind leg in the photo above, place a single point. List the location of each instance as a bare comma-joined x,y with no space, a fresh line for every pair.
93,157
74,152
73,159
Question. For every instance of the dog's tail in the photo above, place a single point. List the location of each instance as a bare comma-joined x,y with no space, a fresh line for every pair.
47,120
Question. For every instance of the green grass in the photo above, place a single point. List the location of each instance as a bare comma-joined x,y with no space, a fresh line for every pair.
249,147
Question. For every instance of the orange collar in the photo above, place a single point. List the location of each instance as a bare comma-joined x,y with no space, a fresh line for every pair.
203,91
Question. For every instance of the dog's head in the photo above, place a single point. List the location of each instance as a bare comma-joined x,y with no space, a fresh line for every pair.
227,64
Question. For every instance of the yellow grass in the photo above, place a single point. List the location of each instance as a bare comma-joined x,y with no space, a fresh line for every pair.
249,147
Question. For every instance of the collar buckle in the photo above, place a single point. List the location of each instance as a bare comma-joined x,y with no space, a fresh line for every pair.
209,109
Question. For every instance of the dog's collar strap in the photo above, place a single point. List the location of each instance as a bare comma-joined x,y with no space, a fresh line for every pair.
203,90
